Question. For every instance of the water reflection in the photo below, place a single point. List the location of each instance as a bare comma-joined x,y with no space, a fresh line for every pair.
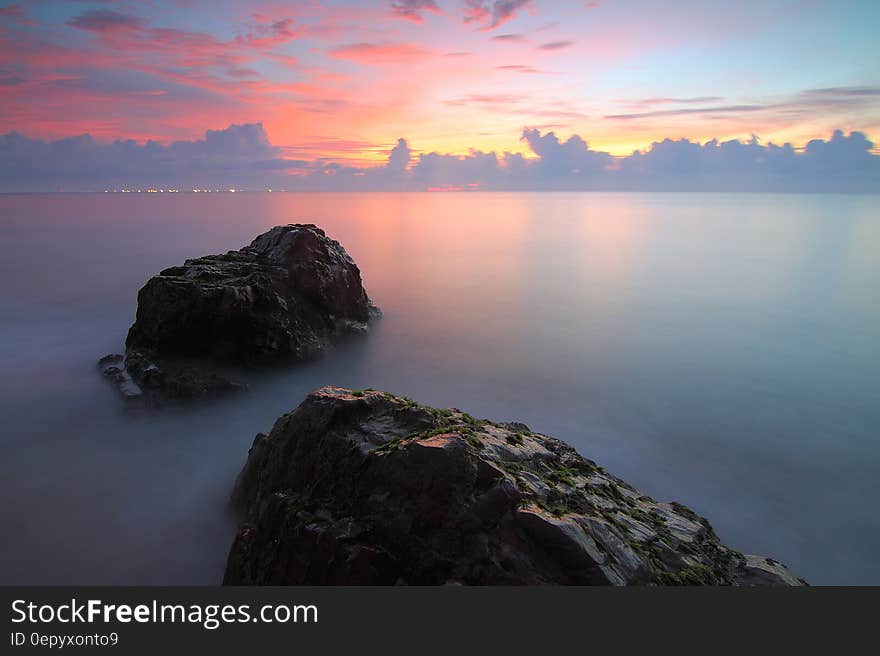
718,349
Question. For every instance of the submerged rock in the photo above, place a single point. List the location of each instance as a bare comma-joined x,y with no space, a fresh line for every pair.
286,296
366,488
141,378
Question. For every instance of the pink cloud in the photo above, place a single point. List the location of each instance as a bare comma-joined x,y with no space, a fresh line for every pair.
269,33
412,10
493,14
522,68
556,45
15,14
105,20
127,32
378,53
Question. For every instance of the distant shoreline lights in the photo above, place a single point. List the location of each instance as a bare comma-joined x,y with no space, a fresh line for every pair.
195,190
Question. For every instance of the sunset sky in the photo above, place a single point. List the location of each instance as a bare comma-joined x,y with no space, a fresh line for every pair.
344,80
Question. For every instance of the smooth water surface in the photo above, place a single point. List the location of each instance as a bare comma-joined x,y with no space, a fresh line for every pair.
719,350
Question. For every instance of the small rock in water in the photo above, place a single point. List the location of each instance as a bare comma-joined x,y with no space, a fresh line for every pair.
113,368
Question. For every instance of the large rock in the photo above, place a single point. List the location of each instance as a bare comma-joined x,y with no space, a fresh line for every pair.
363,487
286,296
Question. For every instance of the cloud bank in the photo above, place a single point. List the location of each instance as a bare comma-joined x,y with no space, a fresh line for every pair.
242,156
239,153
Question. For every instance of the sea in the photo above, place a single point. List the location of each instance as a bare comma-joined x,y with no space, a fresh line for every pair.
720,350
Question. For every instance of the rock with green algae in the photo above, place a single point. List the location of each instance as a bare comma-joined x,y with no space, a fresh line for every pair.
360,487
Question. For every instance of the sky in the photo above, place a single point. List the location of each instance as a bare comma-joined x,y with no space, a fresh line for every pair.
293,93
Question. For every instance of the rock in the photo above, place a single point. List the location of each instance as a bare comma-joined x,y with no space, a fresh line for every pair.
113,368
150,382
367,488
757,570
286,296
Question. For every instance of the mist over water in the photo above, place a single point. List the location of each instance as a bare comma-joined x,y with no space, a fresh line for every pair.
721,350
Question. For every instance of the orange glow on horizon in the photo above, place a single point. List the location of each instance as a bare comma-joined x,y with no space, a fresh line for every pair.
342,83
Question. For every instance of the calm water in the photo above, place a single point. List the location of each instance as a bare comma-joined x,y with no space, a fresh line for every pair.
720,350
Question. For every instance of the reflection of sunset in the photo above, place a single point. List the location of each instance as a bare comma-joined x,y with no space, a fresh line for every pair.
611,234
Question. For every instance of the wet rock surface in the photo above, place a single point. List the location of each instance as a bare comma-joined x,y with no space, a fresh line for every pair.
286,296
364,487
147,381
